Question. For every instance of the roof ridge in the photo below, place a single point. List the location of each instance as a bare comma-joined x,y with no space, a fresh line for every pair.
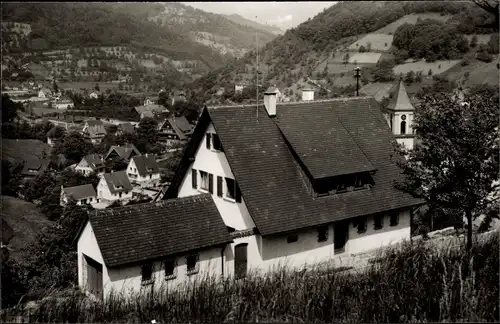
294,102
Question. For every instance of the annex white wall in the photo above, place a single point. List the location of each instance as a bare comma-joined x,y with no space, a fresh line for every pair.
128,280
374,239
135,177
234,214
87,244
83,167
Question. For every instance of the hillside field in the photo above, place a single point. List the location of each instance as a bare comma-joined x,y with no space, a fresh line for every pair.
481,38
26,221
88,85
23,149
379,42
410,19
437,67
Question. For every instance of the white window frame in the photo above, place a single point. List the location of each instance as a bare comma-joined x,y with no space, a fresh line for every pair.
225,194
201,187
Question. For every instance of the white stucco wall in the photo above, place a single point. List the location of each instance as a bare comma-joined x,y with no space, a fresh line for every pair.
234,214
407,142
104,193
134,176
396,123
374,239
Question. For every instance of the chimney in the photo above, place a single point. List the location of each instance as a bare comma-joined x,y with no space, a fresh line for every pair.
270,101
307,94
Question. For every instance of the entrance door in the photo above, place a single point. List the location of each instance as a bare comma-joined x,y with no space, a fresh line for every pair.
340,236
240,260
94,277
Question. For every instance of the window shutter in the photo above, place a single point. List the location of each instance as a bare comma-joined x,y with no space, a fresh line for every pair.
194,179
208,140
238,193
219,186
211,183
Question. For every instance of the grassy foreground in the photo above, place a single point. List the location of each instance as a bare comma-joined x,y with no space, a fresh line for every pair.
411,283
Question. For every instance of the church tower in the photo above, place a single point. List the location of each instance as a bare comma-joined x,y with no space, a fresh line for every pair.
400,117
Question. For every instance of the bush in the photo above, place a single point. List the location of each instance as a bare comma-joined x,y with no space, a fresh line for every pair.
483,56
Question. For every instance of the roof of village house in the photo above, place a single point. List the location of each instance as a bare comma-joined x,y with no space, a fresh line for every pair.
94,160
80,192
272,89
147,113
126,127
378,90
117,181
146,164
265,158
34,166
149,108
400,101
157,230
182,123
125,152
94,122
96,131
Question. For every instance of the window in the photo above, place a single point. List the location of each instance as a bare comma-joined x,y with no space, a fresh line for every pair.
291,238
147,272
394,219
194,179
379,221
240,260
403,127
209,138
120,195
322,233
219,186
216,142
204,180
192,264
358,182
341,187
362,225
150,176
230,188
170,267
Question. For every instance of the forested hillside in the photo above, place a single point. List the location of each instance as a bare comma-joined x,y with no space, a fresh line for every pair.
297,54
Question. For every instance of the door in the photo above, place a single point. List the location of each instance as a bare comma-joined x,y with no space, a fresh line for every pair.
240,260
340,236
94,277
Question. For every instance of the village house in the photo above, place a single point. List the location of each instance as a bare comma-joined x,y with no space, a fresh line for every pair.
63,104
143,170
91,163
192,249
295,185
125,152
95,133
150,101
400,117
178,96
149,111
114,186
92,123
34,167
175,130
84,194
94,94
44,93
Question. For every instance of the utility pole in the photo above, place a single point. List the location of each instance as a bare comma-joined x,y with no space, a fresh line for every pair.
357,75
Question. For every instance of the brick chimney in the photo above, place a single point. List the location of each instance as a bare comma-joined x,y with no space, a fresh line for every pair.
307,94
270,101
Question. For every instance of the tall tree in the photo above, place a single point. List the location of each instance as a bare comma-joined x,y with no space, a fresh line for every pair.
456,165
73,146
148,129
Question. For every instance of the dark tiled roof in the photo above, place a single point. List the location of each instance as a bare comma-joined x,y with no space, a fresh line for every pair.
270,178
182,123
80,192
94,160
156,230
125,152
146,165
117,181
150,108
92,122
34,167
324,145
96,131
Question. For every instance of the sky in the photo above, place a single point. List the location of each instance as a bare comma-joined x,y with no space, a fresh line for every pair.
282,14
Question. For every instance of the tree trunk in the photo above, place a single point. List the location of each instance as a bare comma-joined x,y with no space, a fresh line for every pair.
468,214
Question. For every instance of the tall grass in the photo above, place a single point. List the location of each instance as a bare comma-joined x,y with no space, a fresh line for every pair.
410,283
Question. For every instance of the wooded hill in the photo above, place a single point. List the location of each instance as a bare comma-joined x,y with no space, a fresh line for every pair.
296,54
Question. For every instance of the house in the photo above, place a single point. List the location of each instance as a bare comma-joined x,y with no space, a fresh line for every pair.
400,117
125,128
151,101
143,170
92,123
34,167
44,93
84,194
193,248
175,130
148,111
95,133
238,87
177,96
125,152
314,179
63,104
91,163
94,94
114,186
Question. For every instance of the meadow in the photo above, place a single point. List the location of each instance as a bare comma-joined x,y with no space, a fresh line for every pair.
416,282
437,67
378,42
410,19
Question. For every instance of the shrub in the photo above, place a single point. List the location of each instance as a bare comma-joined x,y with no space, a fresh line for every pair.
483,56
